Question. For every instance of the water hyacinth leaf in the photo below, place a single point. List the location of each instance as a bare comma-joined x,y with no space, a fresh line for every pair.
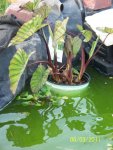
39,78
38,104
59,31
94,44
28,29
17,67
77,42
27,103
105,29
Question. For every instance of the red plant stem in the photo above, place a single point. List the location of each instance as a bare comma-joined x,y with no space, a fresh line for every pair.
84,65
69,68
82,69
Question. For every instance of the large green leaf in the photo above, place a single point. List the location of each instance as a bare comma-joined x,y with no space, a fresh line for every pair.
17,67
72,45
28,29
94,44
59,31
77,42
105,29
39,78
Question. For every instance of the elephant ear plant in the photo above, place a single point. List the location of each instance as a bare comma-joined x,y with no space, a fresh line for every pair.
60,73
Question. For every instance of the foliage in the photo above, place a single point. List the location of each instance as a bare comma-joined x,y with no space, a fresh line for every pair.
39,78
17,68
92,53
28,29
105,29
31,6
63,73
59,32
41,98
86,33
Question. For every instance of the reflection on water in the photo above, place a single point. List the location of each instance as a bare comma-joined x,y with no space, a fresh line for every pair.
85,115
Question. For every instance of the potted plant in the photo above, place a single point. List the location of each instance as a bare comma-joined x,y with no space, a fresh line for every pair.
61,76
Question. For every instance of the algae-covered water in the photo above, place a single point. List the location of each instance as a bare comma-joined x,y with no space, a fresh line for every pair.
84,122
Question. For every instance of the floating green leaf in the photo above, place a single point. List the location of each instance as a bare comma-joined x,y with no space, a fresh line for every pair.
39,78
17,67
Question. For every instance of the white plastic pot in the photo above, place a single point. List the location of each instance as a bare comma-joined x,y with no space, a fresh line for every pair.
69,89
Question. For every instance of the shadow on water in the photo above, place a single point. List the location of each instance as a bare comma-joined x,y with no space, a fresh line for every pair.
88,114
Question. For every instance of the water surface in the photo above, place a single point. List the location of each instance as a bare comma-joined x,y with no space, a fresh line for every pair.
80,123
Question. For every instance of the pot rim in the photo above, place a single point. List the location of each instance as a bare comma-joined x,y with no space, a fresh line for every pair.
68,89
86,75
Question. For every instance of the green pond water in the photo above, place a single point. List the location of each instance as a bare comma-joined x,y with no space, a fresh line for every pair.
84,122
